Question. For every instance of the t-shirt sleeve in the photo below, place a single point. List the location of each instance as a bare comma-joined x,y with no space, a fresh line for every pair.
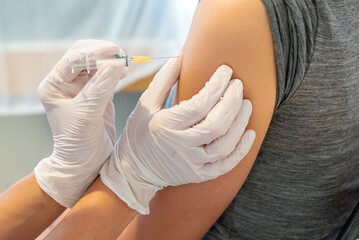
294,24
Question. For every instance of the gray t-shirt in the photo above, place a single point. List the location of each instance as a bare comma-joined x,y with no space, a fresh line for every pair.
305,181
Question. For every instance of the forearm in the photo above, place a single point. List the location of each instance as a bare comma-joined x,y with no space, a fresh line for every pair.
100,214
26,210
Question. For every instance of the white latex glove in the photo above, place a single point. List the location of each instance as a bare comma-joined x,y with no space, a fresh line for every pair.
194,141
81,115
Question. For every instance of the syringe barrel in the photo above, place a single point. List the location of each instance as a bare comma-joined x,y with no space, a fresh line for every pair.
94,64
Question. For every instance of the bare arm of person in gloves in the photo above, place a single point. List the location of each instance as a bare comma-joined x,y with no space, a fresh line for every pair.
158,148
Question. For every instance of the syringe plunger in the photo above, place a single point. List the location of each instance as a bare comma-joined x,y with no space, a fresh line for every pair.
93,63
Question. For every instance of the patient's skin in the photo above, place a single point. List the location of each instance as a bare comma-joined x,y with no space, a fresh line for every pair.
99,214
236,33
26,210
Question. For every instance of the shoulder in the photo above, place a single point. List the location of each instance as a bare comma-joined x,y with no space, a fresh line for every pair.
258,36
236,33
236,21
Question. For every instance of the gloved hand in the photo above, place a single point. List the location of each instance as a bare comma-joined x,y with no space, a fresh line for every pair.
81,115
194,141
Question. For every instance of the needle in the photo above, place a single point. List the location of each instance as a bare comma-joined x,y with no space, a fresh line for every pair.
164,57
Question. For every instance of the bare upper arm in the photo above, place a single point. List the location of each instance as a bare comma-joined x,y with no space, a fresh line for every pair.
236,33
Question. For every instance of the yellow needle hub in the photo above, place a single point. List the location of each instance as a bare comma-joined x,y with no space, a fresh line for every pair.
140,59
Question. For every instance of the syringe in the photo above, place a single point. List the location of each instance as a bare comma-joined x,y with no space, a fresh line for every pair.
123,59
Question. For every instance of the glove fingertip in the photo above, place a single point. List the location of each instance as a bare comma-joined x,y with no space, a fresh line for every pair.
246,143
227,70
251,134
175,62
112,68
220,78
236,88
238,85
247,104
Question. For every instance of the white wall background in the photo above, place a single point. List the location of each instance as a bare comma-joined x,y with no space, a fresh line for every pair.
34,34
